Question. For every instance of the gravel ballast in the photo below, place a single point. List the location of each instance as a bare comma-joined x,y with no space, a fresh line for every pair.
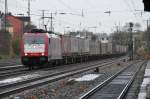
68,88
135,87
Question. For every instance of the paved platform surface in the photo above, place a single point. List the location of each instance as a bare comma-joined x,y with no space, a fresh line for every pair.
145,86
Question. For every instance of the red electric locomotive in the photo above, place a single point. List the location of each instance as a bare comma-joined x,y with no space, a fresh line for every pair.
38,47
34,48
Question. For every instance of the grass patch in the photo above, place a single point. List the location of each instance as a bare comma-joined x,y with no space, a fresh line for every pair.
3,57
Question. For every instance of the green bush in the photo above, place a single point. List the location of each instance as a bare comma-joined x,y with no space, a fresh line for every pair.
5,44
15,45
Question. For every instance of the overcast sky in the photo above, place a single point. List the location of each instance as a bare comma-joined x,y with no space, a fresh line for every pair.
122,11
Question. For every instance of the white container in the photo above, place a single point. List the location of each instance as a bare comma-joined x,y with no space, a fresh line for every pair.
66,45
104,49
86,46
74,45
109,48
54,49
94,47
81,45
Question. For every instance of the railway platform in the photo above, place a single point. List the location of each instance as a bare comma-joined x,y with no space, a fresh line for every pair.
145,86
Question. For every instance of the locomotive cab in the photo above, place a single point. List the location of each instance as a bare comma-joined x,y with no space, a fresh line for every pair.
34,47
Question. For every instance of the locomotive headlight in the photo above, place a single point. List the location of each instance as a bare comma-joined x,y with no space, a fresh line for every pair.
42,54
26,54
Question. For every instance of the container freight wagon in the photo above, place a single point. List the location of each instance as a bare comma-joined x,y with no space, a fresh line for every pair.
70,50
66,45
104,48
95,49
74,49
109,48
118,48
83,49
124,49
87,46
54,48
83,46
74,46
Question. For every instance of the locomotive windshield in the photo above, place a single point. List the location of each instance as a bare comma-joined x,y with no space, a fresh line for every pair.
34,44
34,40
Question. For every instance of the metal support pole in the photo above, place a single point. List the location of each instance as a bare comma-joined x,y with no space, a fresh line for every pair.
6,11
28,8
43,15
51,28
131,42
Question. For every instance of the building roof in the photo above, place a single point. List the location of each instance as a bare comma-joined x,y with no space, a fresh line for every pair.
23,18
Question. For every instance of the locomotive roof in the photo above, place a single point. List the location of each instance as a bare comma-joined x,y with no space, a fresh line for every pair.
53,36
38,31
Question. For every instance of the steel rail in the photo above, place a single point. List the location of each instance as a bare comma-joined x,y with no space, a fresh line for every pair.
8,90
8,71
125,90
10,67
104,83
24,70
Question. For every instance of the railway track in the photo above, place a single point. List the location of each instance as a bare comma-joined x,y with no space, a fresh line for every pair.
8,89
116,86
10,67
8,71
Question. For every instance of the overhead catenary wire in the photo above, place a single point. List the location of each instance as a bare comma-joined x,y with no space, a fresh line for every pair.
20,4
66,22
130,8
15,4
132,2
134,6
66,5
89,3
134,9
